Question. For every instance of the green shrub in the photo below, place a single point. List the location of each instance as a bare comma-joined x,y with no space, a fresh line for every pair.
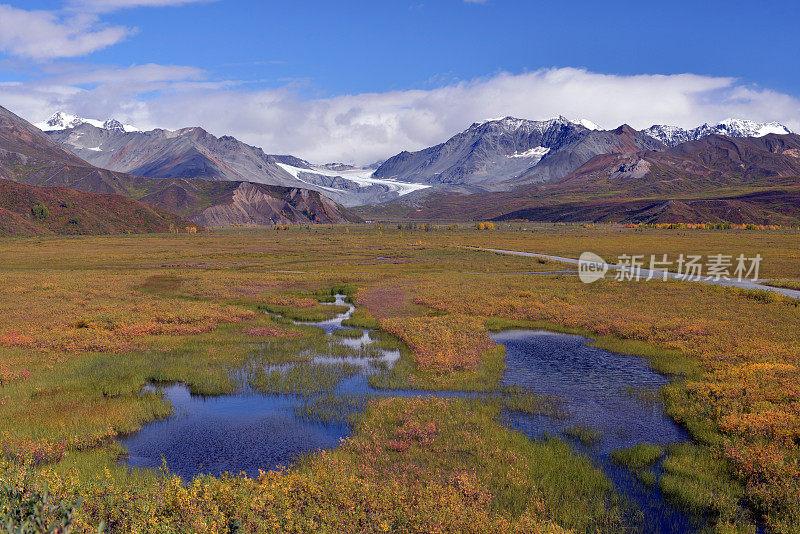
34,512
40,211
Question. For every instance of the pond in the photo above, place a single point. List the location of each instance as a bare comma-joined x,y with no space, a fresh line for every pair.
612,394
251,431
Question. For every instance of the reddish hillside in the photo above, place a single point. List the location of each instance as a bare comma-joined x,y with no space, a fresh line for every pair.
32,210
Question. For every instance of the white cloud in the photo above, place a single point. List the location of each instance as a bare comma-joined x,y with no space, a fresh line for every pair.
104,6
45,35
134,78
365,127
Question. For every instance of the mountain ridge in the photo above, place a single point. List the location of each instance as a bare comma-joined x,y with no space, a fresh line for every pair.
501,154
674,135
713,179
193,152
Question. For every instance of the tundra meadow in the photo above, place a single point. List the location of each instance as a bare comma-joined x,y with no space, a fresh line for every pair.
89,322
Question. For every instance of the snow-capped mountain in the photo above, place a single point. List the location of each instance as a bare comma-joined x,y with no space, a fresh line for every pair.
674,135
501,153
195,153
63,121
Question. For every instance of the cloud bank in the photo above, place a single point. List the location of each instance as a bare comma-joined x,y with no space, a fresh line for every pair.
362,128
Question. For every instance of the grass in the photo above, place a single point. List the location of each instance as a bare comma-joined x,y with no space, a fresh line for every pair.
330,409
645,396
638,456
406,374
303,378
361,318
311,314
519,399
583,434
786,284
646,477
87,321
697,481
445,436
348,333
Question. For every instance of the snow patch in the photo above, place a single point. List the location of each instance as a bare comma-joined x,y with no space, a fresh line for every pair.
537,152
361,177
586,123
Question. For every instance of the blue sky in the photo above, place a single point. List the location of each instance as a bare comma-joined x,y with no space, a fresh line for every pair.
366,78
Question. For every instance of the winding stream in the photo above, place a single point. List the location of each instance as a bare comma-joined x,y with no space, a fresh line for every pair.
249,431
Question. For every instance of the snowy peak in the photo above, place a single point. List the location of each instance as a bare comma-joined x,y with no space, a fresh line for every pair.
513,123
59,121
114,125
746,128
674,135
64,121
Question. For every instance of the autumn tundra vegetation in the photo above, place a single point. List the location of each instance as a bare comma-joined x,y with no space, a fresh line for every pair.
88,322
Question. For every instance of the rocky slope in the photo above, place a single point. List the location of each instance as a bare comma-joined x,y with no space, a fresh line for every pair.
712,163
223,203
186,153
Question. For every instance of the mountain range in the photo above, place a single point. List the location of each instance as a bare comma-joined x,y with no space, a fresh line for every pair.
714,179
673,135
494,155
194,153
557,169
30,156
505,153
